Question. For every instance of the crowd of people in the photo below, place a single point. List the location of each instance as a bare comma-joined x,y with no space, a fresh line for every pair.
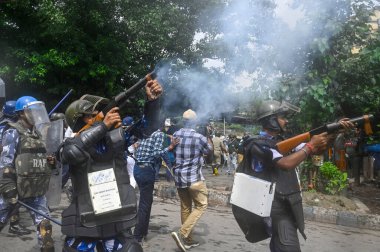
107,158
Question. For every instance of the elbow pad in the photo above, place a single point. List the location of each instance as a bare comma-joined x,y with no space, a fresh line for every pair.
93,135
73,154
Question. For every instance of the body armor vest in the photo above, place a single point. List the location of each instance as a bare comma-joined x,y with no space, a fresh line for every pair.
80,219
32,169
287,188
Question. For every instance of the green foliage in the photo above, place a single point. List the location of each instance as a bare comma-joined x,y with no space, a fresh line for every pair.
332,179
103,46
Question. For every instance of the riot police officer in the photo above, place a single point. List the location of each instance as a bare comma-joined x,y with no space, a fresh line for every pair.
103,208
25,165
262,160
9,115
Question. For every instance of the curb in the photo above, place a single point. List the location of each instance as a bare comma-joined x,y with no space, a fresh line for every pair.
312,213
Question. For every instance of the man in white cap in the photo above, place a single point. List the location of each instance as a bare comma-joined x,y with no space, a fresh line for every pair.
189,179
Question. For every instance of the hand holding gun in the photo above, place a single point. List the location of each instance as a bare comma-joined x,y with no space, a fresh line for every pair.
152,87
318,144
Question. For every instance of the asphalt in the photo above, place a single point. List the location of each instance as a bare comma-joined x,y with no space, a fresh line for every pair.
219,189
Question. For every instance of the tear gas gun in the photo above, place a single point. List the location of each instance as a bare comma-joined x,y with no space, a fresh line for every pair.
120,100
287,145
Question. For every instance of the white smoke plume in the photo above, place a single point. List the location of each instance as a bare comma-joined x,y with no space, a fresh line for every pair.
262,41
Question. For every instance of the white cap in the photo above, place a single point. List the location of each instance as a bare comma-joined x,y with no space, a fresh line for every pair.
167,122
189,115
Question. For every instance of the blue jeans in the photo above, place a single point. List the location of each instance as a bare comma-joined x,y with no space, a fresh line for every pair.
144,176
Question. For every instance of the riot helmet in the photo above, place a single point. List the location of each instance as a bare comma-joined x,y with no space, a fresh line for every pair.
23,101
9,109
76,111
35,111
269,111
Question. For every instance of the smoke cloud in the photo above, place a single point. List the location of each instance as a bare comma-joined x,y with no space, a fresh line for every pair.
262,41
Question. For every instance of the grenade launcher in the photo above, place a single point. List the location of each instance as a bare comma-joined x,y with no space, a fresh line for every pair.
287,145
120,100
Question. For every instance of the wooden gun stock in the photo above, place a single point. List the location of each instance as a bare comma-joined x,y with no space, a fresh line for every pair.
287,145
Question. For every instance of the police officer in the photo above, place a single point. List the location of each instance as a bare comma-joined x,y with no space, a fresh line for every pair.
103,209
9,115
262,160
25,165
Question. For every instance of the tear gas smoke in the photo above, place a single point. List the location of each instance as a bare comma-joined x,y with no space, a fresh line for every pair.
262,41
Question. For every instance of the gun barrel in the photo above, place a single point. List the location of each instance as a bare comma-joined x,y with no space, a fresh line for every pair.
121,99
140,84
358,121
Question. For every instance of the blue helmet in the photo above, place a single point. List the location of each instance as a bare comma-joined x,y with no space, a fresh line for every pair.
9,108
127,121
23,101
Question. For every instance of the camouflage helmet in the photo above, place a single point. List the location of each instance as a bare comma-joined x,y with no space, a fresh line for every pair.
76,110
272,107
267,113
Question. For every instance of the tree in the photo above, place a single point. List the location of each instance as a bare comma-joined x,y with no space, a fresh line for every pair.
52,46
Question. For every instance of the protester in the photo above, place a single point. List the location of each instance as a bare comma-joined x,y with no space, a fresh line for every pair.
130,152
262,160
149,152
233,144
189,179
168,130
94,219
219,150
26,168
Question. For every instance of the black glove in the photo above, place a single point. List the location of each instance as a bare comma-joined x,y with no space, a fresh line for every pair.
9,190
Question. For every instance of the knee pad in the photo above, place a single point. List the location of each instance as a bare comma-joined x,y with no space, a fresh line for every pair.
287,237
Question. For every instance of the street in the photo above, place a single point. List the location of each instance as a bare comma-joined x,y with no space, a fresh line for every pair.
216,231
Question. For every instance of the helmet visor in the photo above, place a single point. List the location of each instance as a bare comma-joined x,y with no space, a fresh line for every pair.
36,113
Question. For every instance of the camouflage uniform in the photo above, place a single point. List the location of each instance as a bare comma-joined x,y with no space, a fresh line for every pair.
10,142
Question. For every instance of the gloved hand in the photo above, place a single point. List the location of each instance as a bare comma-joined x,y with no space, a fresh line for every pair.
10,195
9,190
8,186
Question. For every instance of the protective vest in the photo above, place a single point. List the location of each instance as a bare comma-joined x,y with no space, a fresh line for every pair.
80,219
32,169
287,187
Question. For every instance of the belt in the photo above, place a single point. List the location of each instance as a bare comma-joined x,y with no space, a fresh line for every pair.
144,165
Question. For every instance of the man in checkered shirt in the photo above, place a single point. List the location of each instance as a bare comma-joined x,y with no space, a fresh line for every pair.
189,179
148,153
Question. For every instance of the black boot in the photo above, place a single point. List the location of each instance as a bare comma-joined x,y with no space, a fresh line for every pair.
17,229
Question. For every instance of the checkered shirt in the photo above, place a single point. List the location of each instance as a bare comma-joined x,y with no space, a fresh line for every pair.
152,148
189,157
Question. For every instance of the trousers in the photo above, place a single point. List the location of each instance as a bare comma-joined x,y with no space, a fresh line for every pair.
197,194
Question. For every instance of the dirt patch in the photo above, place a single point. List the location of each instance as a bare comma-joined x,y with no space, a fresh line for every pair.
339,203
367,193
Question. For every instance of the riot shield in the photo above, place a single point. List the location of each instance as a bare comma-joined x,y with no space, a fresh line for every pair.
52,134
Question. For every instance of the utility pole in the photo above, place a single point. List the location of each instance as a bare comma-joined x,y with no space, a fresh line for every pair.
224,126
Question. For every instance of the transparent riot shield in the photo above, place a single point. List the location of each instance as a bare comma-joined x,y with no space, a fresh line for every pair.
52,134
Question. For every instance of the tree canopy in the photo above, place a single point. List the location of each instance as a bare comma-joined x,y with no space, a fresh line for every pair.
326,61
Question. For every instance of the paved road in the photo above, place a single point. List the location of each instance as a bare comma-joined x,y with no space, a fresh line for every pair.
217,231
